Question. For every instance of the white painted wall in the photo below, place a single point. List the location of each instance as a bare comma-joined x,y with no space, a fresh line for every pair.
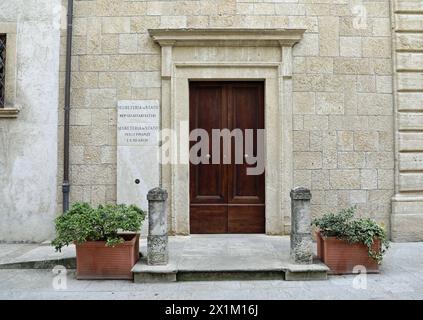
28,144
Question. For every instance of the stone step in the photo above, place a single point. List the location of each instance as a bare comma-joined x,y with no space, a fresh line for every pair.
144,273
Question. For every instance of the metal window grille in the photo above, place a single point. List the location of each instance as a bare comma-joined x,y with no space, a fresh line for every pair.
2,68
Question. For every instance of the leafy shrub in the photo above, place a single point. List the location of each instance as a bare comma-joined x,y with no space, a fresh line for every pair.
84,223
344,226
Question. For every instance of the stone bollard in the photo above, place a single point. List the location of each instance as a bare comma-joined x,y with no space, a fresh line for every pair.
301,242
157,241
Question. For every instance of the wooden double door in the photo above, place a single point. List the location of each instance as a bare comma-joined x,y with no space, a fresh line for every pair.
223,197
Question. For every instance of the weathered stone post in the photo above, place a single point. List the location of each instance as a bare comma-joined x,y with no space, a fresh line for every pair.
301,242
157,241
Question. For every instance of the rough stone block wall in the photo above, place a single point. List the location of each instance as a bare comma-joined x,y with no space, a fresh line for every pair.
407,219
343,103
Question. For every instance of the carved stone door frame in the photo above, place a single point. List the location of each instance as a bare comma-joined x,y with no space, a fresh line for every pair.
178,68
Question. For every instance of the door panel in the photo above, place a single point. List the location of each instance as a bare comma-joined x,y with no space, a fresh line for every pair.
209,219
246,219
223,198
209,180
246,112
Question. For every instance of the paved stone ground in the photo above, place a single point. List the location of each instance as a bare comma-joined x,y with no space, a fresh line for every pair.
226,251
214,255
401,278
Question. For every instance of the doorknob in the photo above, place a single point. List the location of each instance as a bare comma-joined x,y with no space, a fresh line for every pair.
208,155
245,155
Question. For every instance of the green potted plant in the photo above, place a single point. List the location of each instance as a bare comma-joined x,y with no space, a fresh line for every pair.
344,242
106,239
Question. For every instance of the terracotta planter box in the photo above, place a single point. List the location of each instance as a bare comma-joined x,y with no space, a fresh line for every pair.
95,260
341,257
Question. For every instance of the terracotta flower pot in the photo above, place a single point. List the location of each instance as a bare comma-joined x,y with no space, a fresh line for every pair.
95,260
341,257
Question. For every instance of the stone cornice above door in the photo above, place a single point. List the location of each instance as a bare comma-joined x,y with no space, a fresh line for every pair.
226,37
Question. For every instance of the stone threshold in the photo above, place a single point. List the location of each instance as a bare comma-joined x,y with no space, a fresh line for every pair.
144,273
228,257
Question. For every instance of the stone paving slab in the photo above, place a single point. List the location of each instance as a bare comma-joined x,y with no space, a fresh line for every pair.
230,256
23,256
11,251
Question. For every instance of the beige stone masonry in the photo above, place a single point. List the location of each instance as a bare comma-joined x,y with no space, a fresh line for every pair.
341,87
407,205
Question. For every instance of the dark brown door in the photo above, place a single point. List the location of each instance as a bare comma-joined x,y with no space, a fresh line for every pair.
223,197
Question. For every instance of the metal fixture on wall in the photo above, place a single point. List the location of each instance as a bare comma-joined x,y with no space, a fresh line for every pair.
66,183
2,69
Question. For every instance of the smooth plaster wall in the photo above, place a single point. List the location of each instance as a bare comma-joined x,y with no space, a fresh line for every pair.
28,144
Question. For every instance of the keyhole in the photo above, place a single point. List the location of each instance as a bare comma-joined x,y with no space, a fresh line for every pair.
137,181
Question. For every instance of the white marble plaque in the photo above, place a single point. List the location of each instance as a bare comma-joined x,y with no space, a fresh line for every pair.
138,168
138,123
138,134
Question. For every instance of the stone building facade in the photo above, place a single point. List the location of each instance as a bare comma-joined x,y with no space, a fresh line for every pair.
343,102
